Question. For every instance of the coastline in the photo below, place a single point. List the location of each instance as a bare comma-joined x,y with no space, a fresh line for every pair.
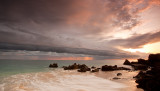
55,79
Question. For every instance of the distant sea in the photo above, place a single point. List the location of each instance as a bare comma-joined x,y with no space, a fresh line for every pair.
34,75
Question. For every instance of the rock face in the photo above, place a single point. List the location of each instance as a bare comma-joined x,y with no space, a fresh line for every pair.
154,58
149,80
126,62
112,68
139,66
142,61
54,65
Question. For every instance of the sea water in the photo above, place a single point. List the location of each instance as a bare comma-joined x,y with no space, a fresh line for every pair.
34,75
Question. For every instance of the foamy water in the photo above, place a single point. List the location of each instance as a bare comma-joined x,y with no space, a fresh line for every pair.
58,80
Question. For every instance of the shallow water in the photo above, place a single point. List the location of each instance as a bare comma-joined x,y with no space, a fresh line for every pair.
59,80
12,67
31,75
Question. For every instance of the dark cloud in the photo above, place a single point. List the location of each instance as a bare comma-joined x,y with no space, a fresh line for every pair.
68,24
137,40
107,53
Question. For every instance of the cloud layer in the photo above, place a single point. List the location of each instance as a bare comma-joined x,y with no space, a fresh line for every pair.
73,26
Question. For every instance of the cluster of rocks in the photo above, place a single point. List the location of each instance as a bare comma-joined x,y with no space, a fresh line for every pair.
54,65
141,64
85,68
81,68
113,68
149,76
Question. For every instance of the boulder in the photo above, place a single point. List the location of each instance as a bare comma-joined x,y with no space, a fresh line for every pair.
116,78
54,65
126,62
83,68
93,67
108,68
95,70
119,74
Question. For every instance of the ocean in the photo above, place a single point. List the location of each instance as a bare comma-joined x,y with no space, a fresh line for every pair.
34,75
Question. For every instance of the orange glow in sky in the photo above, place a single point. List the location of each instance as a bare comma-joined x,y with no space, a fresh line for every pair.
149,48
71,58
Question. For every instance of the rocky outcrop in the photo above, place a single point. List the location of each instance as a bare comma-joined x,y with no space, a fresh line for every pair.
54,65
126,62
142,61
154,59
139,66
72,67
112,68
149,80
83,68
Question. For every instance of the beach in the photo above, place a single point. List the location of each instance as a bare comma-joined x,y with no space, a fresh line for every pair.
57,79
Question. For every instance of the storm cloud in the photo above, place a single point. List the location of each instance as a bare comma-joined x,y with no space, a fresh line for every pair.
137,41
73,26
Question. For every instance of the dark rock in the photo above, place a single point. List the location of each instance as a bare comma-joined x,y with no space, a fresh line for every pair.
72,67
139,66
112,68
119,74
54,65
142,61
108,68
126,62
123,68
149,80
93,67
154,59
95,70
134,63
84,68
116,78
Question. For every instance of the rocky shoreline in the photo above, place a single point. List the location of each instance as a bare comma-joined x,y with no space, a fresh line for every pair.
148,78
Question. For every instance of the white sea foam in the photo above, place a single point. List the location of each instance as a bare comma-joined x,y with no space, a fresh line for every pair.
59,80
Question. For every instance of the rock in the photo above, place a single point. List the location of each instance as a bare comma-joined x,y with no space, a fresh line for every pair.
93,67
72,67
149,80
112,68
123,68
54,65
95,70
119,74
83,68
154,59
134,63
142,61
126,62
116,78
108,68
139,67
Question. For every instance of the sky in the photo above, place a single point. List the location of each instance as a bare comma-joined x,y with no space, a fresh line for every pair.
79,29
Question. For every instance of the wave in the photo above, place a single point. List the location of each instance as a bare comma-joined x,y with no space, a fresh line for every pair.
58,80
